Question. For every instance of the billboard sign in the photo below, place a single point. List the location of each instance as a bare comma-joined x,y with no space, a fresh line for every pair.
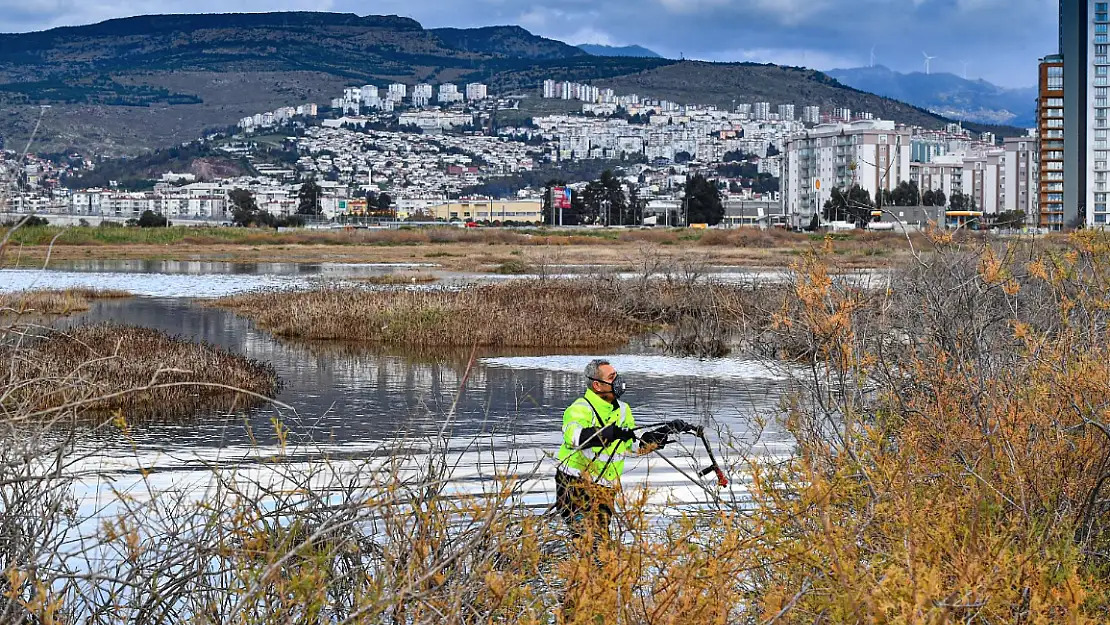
560,197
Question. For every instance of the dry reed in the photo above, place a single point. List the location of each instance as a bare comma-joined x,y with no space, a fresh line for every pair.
55,301
541,313
143,372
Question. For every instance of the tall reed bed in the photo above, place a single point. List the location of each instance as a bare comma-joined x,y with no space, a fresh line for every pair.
54,301
139,372
516,314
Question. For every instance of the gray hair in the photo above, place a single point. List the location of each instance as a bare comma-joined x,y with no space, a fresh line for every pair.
593,370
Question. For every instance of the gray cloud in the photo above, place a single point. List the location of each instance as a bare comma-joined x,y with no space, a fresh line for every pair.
1000,39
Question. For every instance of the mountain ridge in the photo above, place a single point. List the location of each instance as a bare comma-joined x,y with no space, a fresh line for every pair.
138,83
597,49
947,94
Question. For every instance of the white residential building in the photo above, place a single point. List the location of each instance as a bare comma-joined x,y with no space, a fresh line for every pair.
421,94
841,114
397,92
1019,176
761,110
368,93
873,154
811,115
786,112
477,91
449,94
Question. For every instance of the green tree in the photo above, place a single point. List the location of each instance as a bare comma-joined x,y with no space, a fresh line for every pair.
939,198
928,198
385,203
151,219
308,198
958,202
683,157
853,205
703,201
1010,219
906,194
244,208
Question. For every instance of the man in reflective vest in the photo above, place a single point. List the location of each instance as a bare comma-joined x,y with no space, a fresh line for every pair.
598,432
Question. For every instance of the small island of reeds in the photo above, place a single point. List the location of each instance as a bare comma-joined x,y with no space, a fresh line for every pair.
96,370
54,301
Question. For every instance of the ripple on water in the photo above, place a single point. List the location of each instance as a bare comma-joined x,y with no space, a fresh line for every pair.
148,284
655,365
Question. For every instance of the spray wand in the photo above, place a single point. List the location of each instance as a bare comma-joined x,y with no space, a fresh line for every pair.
681,427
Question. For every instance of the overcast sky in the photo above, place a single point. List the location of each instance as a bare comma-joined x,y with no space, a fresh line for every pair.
1001,39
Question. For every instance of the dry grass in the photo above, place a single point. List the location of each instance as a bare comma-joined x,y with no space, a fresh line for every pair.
143,372
398,279
55,301
540,313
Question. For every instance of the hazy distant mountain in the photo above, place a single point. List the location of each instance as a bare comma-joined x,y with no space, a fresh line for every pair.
947,94
597,49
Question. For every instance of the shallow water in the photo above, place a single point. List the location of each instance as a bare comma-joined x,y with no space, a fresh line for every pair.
348,401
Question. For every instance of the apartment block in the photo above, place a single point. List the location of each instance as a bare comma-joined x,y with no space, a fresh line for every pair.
1050,128
449,94
874,154
811,115
477,91
786,112
1018,185
761,110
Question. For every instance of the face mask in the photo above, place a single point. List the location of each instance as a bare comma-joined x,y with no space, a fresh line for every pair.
617,385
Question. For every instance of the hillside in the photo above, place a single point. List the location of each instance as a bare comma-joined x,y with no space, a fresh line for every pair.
947,94
601,50
722,84
125,86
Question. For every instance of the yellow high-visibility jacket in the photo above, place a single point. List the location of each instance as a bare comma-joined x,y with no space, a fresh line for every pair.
593,411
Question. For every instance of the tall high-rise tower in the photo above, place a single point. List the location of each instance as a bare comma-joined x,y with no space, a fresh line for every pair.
1083,45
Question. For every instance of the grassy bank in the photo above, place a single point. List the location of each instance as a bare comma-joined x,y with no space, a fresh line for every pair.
97,369
54,301
180,235
453,248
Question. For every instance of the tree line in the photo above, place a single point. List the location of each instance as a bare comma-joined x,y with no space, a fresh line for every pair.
610,200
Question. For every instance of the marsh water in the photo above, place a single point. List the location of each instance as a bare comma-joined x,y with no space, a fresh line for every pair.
347,402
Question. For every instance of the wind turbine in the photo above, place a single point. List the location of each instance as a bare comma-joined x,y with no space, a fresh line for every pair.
927,60
872,56
965,64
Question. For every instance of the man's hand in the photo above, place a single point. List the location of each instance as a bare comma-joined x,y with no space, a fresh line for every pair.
594,437
655,438
677,426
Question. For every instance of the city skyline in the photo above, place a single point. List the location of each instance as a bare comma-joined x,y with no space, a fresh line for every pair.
820,34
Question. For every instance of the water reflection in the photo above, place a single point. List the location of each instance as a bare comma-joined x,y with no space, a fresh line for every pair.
349,400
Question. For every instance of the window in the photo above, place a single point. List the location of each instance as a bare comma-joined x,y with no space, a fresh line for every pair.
1100,17
1055,102
1055,83
1054,123
1100,28
1101,6
1100,218
1056,70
